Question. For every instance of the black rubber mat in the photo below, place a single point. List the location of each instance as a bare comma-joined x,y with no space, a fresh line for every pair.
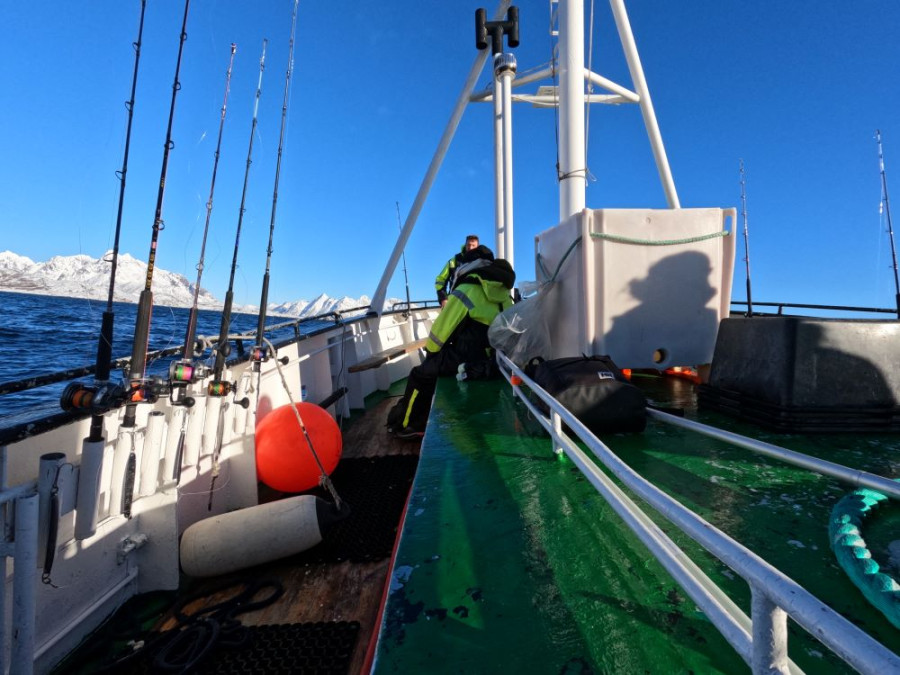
376,489
321,648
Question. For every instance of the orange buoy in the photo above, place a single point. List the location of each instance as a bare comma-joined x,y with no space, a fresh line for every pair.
284,460
685,373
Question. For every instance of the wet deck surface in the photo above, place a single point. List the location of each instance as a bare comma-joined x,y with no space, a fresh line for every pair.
509,561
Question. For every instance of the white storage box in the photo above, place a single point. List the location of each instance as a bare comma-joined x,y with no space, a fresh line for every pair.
648,287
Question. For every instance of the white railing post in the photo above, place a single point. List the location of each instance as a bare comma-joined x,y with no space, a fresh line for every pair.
556,422
24,584
769,635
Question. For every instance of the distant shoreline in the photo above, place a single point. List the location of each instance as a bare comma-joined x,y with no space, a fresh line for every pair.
242,309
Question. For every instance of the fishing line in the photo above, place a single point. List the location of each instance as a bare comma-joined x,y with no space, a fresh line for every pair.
324,480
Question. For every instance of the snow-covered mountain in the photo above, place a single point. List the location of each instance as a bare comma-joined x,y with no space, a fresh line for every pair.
321,305
80,276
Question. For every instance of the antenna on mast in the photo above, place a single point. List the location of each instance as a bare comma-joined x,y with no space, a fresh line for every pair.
885,202
746,239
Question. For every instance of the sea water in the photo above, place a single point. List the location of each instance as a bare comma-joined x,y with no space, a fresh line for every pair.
42,334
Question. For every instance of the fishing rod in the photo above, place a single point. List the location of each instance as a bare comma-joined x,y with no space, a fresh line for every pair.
746,240
260,353
106,395
403,253
140,389
885,202
217,386
183,373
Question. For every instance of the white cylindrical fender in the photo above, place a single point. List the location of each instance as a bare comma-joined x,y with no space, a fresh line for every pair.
255,535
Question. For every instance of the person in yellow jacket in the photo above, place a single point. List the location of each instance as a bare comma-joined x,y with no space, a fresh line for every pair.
458,336
444,281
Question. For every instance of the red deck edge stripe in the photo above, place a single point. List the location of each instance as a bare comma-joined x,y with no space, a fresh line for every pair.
373,641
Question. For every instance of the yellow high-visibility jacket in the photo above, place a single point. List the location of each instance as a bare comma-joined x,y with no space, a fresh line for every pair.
444,280
479,295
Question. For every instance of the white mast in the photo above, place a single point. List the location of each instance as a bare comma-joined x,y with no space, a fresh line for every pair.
640,85
504,72
572,162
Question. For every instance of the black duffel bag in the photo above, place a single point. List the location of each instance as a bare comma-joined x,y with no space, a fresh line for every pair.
594,390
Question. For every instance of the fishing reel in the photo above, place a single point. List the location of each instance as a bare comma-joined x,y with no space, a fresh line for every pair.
181,375
221,388
97,399
260,354
147,390
105,396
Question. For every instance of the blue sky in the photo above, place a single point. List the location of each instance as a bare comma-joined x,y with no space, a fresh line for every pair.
794,89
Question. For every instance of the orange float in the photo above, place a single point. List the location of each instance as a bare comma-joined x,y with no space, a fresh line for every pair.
684,373
284,460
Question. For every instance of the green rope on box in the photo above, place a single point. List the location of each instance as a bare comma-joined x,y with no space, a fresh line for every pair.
540,261
657,242
854,556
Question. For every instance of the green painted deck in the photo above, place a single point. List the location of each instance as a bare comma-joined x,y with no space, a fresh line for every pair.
509,561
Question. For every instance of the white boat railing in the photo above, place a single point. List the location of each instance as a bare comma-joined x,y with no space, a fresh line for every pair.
761,639
854,477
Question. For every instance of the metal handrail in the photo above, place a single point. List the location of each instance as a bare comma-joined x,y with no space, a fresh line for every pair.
762,642
841,308
855,477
